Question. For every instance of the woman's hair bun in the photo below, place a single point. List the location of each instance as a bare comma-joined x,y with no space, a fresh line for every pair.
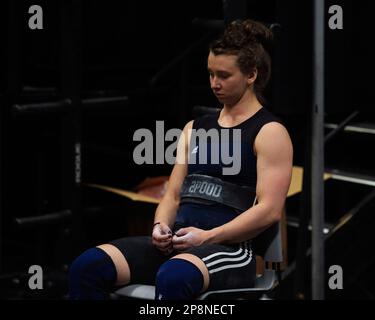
250,31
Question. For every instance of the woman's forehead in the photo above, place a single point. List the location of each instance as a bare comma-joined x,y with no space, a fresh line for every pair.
222,61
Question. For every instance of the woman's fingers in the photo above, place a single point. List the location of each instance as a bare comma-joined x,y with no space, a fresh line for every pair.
161,237
180,247
163,245
166,248
177,239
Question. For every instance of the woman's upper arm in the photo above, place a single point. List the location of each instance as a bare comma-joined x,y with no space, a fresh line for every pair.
274,152
180,168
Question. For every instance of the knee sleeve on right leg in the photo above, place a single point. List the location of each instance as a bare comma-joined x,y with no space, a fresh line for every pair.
178,279
92,275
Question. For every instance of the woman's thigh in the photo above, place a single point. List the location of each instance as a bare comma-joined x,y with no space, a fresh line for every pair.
142,260
228,266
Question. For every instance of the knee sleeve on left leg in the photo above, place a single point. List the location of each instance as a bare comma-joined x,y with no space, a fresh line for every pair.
178,279
92,275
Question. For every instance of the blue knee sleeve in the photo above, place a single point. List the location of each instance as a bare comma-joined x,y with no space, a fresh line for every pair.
92,275
178,279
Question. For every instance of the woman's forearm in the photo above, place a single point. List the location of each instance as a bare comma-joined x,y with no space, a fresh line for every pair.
246,226
166,210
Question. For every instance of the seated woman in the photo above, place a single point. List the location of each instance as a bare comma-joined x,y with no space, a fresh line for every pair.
210,212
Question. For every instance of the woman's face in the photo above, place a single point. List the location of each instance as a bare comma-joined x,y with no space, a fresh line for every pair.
227,81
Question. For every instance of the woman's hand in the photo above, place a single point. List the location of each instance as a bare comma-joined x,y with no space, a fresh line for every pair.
188,237
162,238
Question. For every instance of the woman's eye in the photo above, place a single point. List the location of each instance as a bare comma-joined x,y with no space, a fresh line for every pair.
224,75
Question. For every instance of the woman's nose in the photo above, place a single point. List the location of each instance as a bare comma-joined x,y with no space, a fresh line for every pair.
215,84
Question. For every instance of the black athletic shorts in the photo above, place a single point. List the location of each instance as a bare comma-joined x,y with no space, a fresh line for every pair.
229,266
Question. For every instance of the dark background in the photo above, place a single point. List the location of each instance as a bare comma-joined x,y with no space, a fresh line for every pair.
94,49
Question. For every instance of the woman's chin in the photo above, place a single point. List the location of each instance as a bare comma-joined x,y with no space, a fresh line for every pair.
221,99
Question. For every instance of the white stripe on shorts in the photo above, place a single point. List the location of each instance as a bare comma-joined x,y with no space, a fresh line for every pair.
231,266
245,253
231,262
222,254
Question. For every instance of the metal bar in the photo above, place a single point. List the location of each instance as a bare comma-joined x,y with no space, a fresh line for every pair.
58,217
103,100
40,108
71,82
340,127
353,179
359,128
352,212
64,105
366,200
317,154
300,285
2,182
295,223
45,219
13,79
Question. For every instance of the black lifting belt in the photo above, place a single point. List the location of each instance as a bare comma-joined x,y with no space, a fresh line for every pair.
204,189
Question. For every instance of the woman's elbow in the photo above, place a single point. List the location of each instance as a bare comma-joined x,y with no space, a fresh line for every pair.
274,211
276,216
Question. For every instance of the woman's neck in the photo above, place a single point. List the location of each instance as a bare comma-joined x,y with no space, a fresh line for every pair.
247,106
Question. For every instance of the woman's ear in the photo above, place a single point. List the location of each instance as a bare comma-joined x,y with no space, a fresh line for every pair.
252,77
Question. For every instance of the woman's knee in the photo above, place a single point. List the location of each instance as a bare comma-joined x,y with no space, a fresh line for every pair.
199,264
99,267
120,263
92,261
91,274
83,262
178,279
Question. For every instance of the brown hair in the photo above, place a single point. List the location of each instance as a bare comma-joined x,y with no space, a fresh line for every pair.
249,40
